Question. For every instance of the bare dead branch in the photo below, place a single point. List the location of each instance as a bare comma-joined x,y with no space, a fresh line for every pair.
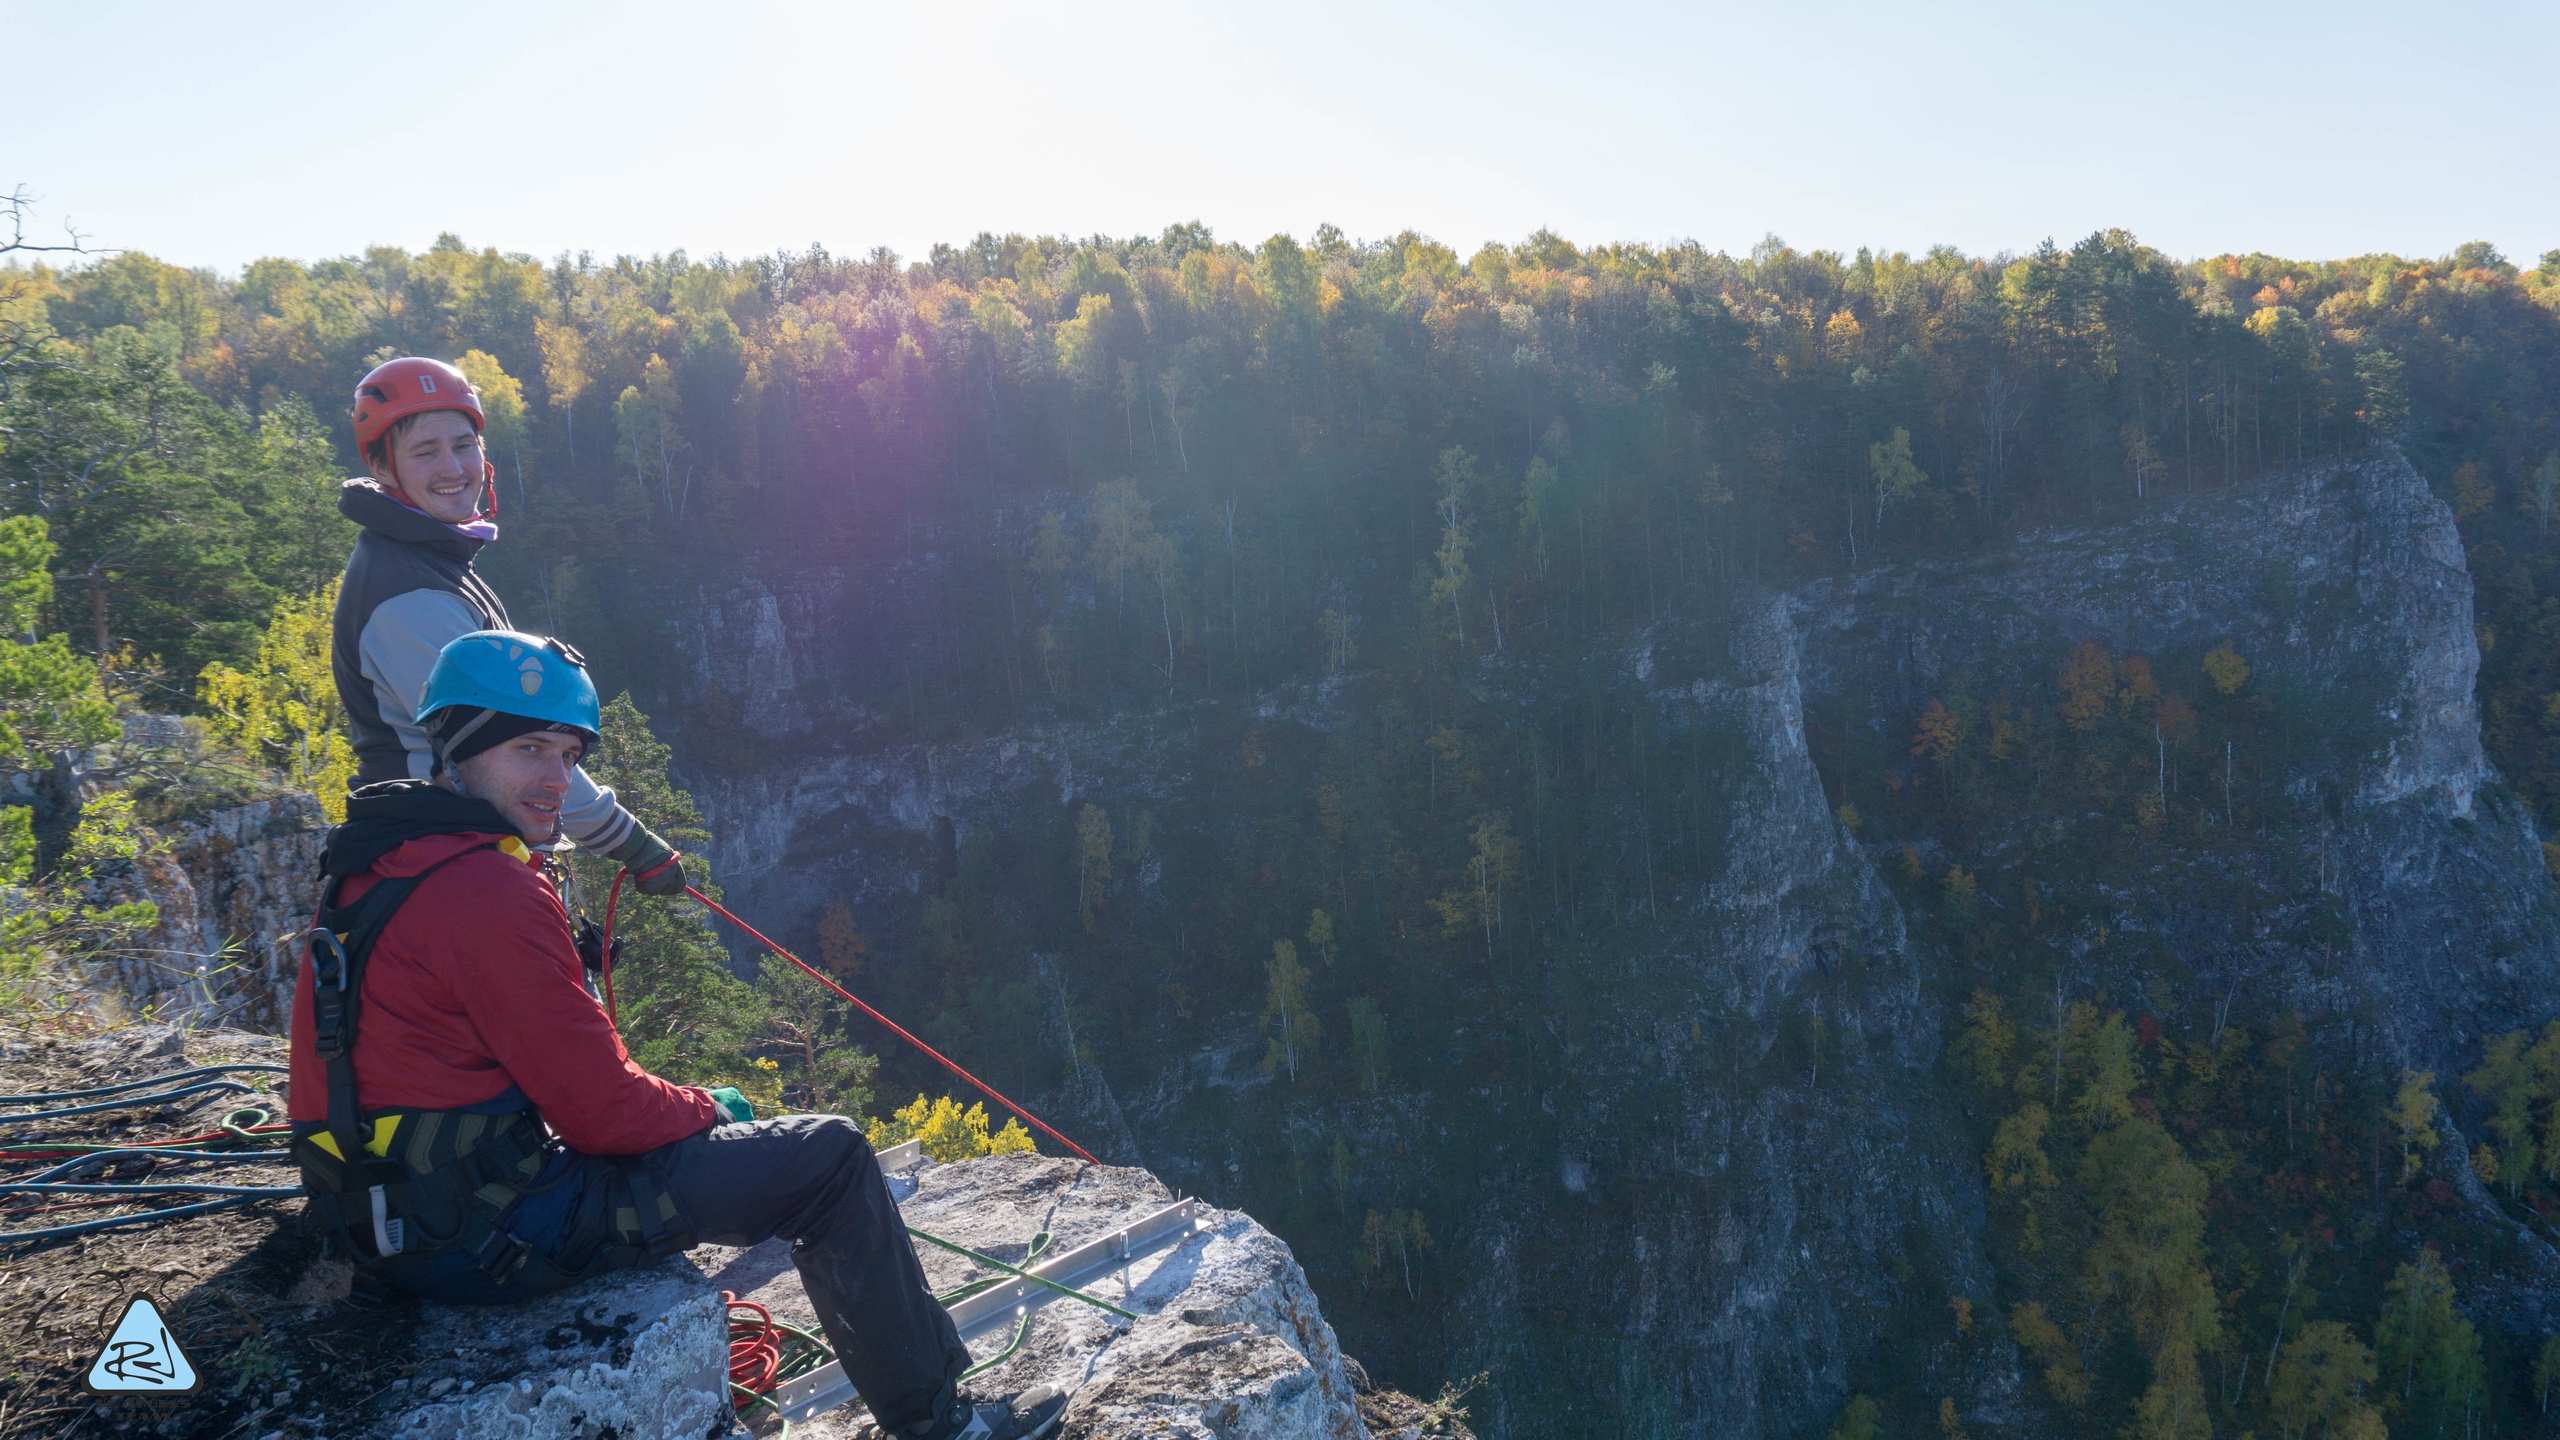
18,208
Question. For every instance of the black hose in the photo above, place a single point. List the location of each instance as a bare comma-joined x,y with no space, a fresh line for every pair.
188,1074
133,1102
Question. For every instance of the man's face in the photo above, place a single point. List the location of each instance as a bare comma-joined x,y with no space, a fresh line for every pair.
525,778
437,466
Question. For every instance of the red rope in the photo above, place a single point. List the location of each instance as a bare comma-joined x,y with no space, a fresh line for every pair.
947,1062
39,1151
610,897
755,1349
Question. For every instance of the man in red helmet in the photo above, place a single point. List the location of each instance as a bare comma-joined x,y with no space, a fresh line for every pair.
409,588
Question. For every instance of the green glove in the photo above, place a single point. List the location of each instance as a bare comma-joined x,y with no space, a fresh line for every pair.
654,866
728,1098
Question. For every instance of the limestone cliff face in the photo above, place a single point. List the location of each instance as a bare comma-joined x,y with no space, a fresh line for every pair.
1751,1177
2346,589
236,887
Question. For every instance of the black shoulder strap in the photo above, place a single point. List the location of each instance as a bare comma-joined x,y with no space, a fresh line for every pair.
339,946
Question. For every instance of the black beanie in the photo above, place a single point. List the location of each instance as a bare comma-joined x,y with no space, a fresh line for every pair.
491,728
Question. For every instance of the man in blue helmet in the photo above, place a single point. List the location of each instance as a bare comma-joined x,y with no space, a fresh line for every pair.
409,587
504,1143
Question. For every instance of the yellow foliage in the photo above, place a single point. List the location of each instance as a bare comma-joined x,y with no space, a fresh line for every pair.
1936,738
1989,1040
2088,685
2047,1346
2413,1115
2016,1159
2140,691
284,707
2471,494
2174,1408
1841,334
949,1133
2225,668
1960,889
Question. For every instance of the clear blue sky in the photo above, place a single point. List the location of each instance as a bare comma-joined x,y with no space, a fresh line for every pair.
214,134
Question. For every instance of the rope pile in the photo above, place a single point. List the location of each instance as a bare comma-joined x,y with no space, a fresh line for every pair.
76,1162
764,1352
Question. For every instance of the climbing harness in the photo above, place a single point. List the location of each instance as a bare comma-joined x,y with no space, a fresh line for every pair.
947,1063
414,1185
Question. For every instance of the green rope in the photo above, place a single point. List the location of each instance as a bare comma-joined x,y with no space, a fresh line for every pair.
1019,1273
1039,1247
238,1129
1021,1332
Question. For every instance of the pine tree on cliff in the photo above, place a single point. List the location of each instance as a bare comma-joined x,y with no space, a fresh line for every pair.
681,1011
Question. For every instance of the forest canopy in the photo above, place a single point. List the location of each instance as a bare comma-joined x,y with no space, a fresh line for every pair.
1087,480
1703,417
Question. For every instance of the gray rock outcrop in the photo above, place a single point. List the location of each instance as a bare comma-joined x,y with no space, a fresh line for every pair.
1230,1341
641,1355
236,887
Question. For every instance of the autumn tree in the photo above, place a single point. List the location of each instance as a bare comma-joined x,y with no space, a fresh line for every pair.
1370,1052
2519,1078
2427,1354
2320,1380
1898,481
284,707
1293,1027
502,410
1093,861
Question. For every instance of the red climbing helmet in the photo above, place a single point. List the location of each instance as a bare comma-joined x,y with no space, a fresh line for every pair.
410,385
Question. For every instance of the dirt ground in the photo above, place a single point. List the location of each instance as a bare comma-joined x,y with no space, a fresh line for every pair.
278,1345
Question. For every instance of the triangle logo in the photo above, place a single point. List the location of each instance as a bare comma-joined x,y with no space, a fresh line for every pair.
141,1357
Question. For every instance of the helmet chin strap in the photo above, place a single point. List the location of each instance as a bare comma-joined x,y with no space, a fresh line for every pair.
446,747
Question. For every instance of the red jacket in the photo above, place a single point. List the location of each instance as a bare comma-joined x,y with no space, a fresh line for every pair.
475,985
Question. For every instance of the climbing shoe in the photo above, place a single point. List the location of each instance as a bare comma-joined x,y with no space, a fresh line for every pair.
1028,1416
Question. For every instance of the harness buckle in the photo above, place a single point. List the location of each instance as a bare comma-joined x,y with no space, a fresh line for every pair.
331,969
501,1255
388,1234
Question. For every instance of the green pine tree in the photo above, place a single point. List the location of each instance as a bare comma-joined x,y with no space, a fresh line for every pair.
682,1012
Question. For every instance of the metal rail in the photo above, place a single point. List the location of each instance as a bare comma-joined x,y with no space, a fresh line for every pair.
825,1388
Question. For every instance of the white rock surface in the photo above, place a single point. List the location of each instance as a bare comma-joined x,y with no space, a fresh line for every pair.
641,1355
1230,1341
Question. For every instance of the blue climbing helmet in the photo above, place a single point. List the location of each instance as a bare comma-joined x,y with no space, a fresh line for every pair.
488,674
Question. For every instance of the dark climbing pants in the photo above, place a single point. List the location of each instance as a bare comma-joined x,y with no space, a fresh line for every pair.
811,1179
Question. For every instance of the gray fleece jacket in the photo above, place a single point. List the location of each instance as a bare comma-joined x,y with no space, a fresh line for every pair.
408,590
